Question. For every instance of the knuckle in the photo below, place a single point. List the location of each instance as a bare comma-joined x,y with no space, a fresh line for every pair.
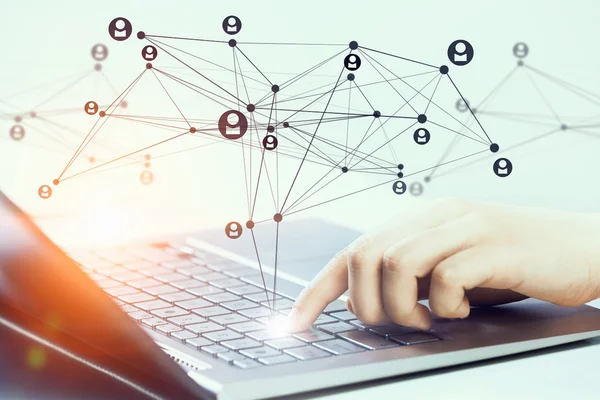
370,317
446,275
356,254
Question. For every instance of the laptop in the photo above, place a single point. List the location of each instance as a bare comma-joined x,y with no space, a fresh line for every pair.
186,317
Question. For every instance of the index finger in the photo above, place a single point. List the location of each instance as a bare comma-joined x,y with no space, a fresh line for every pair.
329,284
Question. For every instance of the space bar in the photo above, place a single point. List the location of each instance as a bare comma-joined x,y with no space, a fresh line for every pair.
284,287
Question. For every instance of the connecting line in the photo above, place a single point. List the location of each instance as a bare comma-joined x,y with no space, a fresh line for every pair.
312,139
262,161
254,65
504,150
377,149
301,200
402,58
446,163
125,156
262,275
362,140
155,124
386,80
275,268
40,146
186,38
109,83
453,143
460,133
363,95
433,94
324,156
497,88
566,85
85,141
69,86
237,91
296,44
172,100
196,71
301,75
469,107
515,118
348,121
387,138
544,99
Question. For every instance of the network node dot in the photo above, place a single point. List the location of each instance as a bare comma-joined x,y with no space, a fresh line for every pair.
141,35
400,175
149,66
400,166
494,147
124,104
277,217
251,107
353,45
98,67
376,114
520,63
275,88
564,127
250,224
344,169
192,130
18,118
351,77
147,165
102,113
55,182
33,114
286,124
427,179
270,129
232,43
422,118
444,69
474,110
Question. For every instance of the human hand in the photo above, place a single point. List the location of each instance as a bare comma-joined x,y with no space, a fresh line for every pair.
459,254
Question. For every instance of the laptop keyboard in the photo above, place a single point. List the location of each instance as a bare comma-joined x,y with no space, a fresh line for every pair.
220,308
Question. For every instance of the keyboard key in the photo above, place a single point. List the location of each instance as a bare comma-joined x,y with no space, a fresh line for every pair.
183,335
336,327
335,306
239,272
152,254
136,297
127,308
204,327
143,283
239,305
368,340
193,304
307,353
257,352
181,263
221,297
229,319
285,343
107,283
177,296
219,336
361,325
193,269
120,291
324,319
339,347
313,335
170,312
227,283
389,330
154,271
185,320
187,284
240,344
117,256
246,364
343,315
168,328
266,335
230,356
214,349
153,322
158,290
139,315
152,305
204,290
259,297
198,342
281,304
210,311
212,276
248,326
256,312
138,265
128,276
415,338
245,289
280,359
172,277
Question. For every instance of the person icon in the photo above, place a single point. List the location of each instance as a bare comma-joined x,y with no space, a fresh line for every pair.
460,52
17,132
416,188
399,187
421,136
99,52
233,230
232,25
149,53
503,167
45,191
270,142
233,124
520,50
120,29
462,105
91,108
352,62
146,177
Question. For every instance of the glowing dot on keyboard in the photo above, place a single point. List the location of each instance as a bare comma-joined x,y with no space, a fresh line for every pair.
278,324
